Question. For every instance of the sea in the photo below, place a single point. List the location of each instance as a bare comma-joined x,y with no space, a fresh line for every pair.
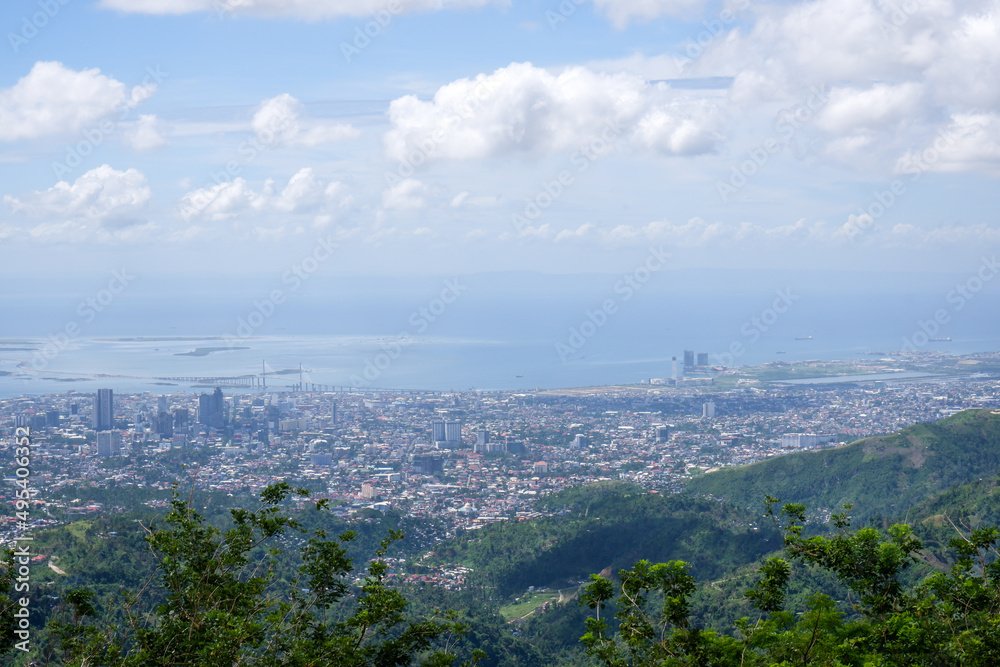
484,332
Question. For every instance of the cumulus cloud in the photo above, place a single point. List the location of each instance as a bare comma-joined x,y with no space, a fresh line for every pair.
529,110
891,70
964,73
145,134
53,99
304,193
874,108
306,9
278,121
407,194
105,196
970,141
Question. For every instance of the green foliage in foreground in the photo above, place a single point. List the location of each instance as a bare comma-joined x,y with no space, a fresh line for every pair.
950,618
217,601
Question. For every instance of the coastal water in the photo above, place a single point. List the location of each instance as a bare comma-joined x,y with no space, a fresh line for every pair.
512,338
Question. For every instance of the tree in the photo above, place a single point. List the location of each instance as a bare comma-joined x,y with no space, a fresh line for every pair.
948,618
220,602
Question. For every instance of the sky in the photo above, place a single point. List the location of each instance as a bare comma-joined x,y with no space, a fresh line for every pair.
186,139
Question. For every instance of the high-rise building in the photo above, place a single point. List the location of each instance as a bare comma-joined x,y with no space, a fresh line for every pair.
211,409
104,410
437,430
427,464
703,358
688,358
447,433
52,418
181,417
164,424
804,440
708,409
333,413
109,443
673,369
482,437
662,433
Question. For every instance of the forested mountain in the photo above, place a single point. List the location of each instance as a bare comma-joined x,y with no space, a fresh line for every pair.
883,476
606,527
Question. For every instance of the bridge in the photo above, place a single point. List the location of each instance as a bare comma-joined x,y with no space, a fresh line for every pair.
246,380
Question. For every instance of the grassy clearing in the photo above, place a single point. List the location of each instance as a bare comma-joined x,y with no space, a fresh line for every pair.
78,528
527,604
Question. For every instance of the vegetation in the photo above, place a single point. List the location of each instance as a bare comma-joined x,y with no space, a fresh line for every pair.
699,580
603,526
882,476
216,600
949,618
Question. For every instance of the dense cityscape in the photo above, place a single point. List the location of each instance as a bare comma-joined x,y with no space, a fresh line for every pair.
467,459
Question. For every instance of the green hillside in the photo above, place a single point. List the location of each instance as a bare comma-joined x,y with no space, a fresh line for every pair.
882,476
606,526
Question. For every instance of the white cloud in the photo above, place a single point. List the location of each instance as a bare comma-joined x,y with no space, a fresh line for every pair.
278,121
622,12
222,201
891,70
964,73
526,109
407,194
818,236
466,199
970,141
306,9
53,99
145,134
105,196
878,107
304,193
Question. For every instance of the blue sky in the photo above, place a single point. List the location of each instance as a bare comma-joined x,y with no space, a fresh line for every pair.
229,136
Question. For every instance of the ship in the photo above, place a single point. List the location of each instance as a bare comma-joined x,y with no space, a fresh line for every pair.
940,340
803,338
